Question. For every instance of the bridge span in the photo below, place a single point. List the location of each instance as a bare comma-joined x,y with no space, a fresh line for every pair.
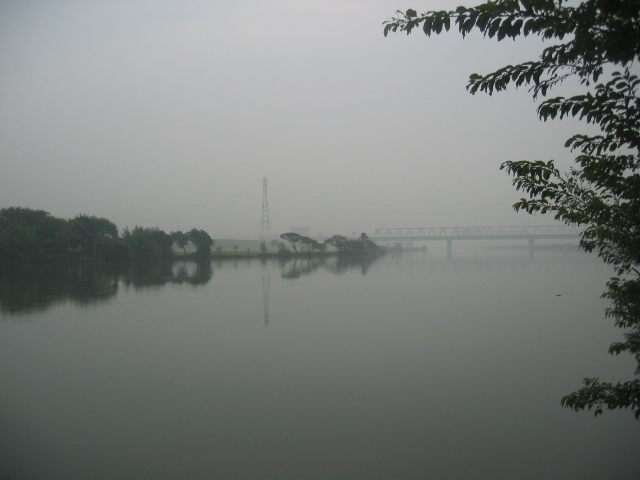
449,234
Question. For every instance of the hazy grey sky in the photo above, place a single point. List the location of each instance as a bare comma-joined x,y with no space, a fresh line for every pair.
165,113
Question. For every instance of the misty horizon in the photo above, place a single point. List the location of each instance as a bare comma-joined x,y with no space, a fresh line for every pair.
170,115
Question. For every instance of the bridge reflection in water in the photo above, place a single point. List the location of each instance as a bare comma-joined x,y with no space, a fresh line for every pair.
449,234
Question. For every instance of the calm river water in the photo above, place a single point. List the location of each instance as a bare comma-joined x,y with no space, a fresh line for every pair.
410,366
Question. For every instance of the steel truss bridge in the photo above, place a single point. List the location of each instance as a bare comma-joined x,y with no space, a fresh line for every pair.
449,234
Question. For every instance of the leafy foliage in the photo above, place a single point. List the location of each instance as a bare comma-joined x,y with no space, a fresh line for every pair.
302,243
595,33
181,239
341,244
202,241
148,243
602,191
363,244
35,235
27,232
293,239
89,234
338,242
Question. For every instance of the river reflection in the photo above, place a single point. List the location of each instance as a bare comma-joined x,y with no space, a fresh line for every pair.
408,366
32,288
29,288
293,268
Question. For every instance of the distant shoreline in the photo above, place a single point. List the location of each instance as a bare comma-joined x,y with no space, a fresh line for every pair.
191,256
287,254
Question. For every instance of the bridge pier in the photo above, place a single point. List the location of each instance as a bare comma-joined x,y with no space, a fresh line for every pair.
449,234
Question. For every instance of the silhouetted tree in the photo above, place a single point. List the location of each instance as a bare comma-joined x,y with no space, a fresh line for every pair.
293,239
181,239
90,233
587,40
202,241
149,243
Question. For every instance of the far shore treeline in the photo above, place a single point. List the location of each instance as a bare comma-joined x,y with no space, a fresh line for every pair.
37,236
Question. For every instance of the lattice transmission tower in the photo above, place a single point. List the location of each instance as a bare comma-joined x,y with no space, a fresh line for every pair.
265,229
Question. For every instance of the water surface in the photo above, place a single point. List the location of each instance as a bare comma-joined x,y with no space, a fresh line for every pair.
405,367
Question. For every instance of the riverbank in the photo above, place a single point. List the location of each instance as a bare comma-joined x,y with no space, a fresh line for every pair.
222,255
193,256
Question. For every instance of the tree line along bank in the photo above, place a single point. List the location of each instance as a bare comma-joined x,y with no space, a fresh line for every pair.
28,235
36,235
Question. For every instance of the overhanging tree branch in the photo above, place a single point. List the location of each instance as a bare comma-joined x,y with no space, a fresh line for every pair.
602,191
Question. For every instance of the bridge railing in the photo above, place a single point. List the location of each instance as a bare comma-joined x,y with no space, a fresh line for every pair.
428,233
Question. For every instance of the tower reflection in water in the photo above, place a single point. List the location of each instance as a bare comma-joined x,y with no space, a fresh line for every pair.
266,275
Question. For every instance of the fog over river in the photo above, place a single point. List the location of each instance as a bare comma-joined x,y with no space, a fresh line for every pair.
409,366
